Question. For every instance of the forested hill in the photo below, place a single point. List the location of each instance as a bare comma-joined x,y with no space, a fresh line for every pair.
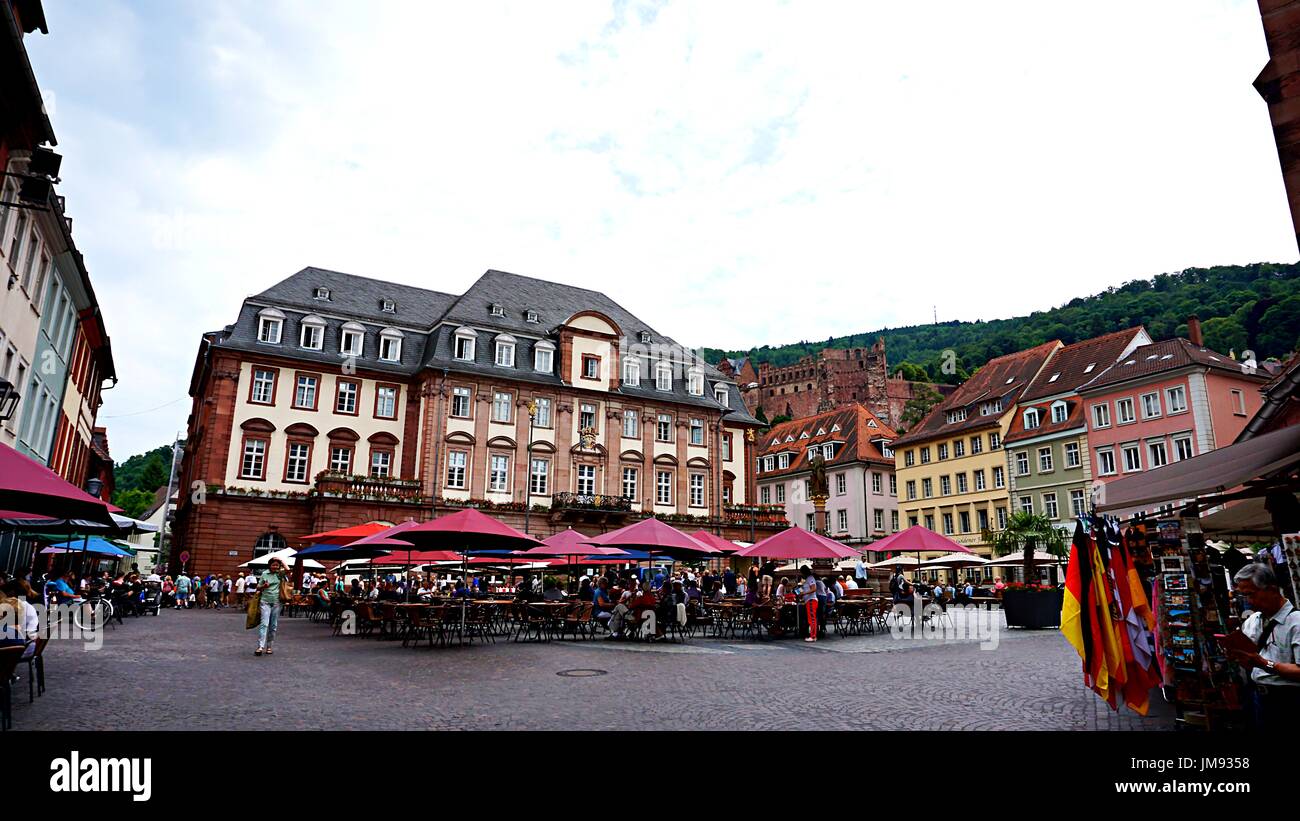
1255,307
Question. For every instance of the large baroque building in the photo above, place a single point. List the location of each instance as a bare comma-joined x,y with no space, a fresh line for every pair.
335,399
834,377
862,495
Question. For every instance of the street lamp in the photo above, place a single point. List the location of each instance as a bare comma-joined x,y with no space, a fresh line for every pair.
528,472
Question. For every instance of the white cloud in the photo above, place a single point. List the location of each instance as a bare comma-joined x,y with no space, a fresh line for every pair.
735,173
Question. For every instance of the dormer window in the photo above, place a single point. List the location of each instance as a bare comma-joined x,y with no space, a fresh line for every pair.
1031,419
270,325
531,316
323,294
1059,412
695,382
645,337
958,415
352,339
388,306
504,355
720,396
632,372
312,336
390,345
464,344
498,309
663,377
544,357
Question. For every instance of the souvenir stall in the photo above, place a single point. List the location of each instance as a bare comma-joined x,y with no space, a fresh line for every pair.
1187,582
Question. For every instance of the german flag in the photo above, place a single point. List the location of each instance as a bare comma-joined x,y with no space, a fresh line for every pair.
1074,616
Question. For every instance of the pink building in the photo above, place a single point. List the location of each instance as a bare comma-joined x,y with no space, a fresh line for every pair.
1165,402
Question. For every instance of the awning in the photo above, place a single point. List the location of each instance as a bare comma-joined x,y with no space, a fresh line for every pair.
1248,517
1214,472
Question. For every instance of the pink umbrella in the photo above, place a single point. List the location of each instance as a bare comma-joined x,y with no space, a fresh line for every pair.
466,530
917,539
30,487
797,543
714,541
655,537
570,544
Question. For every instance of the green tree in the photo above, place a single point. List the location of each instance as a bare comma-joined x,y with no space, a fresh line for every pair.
134,502
919,405
1028,532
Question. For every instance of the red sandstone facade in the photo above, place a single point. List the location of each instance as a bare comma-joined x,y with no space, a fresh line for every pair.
836,377
607,445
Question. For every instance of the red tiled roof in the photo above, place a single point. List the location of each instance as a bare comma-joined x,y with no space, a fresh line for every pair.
1005,378
1070,365
1017,432
853,425
1163,357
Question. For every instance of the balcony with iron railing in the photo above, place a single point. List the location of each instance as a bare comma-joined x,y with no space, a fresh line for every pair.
368,488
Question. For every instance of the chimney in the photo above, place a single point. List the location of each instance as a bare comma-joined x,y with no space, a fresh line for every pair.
1194,330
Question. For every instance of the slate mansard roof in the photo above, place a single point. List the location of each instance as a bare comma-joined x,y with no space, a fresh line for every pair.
428,321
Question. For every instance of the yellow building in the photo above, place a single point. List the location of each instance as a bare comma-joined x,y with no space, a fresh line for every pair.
952,472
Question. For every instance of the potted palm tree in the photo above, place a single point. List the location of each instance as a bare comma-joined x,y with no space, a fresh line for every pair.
1030,604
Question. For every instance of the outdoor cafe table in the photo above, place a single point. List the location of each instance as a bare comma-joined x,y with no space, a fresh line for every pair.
551,612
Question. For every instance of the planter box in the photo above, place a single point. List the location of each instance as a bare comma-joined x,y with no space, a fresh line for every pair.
1034,609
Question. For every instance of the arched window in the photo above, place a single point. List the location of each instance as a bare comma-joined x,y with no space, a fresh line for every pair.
313,332
269,542
270,323
464,343
352,339
390,345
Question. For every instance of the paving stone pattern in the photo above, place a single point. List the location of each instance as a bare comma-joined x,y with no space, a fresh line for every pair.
196,670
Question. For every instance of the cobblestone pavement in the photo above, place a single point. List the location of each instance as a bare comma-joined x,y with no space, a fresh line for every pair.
196,670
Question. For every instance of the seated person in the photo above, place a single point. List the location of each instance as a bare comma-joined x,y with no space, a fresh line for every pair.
58,591
461,591
642,607
716,595
602,606
552,592
22,621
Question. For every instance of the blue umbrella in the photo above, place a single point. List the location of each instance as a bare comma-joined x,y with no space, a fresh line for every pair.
94,544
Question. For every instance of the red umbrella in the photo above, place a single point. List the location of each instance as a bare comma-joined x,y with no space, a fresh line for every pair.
797,543
570,544
714,541
653,536
917,539
346,535
30,487
466,530
416,556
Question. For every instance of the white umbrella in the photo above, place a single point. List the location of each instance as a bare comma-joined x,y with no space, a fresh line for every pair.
287,556
898,561
1017,559
953,560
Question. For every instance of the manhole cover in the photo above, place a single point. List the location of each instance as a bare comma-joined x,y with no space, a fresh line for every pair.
580,673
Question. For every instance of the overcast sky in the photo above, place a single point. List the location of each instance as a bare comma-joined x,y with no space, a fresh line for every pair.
734,173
